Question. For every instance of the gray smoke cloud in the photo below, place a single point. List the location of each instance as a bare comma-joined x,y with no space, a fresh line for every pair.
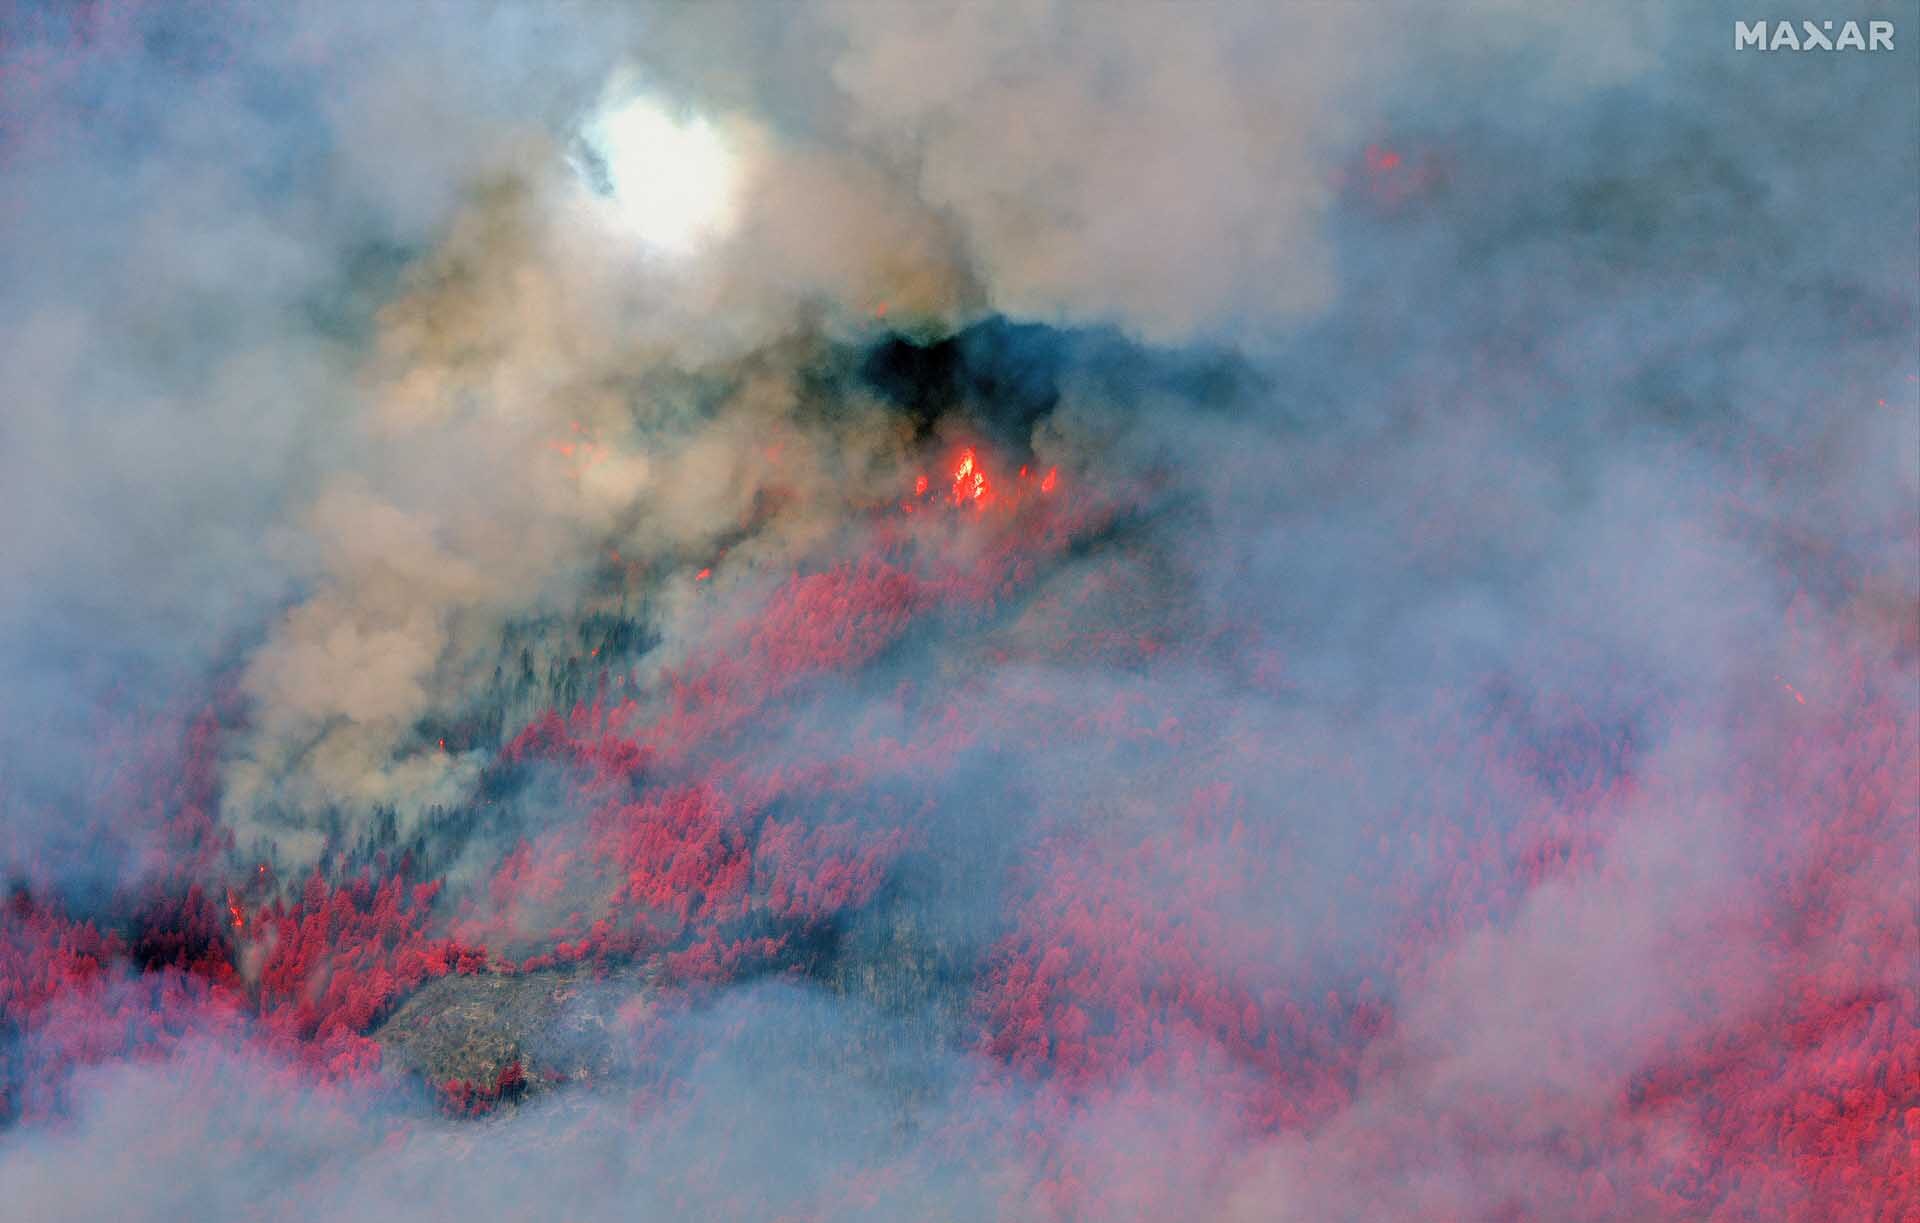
326,367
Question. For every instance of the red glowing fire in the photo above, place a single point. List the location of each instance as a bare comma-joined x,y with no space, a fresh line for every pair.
969,481
1131,956
580,445
971,486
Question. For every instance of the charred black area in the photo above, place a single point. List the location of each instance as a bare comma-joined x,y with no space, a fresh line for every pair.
1001,376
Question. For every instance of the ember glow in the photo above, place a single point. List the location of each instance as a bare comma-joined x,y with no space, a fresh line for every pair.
1096,611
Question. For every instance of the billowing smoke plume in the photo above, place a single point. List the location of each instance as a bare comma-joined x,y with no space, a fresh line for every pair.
1017,610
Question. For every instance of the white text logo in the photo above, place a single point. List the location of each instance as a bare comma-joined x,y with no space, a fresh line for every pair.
1812,36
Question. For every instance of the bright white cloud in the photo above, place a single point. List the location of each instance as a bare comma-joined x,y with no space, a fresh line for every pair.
671,181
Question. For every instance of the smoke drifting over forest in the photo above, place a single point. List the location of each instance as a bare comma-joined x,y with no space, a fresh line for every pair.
982,611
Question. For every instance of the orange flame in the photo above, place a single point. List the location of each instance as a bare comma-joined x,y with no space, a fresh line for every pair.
969,482
972,486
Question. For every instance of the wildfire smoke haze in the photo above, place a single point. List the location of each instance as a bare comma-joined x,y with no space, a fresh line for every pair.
1021,611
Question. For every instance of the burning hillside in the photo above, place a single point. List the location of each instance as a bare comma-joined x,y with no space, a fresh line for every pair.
1033,612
